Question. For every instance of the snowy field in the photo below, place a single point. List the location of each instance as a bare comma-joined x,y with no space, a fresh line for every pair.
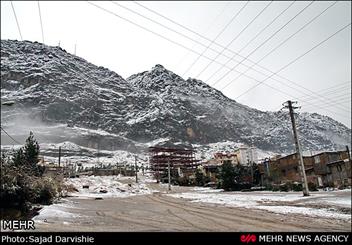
107,186
98,187
320,204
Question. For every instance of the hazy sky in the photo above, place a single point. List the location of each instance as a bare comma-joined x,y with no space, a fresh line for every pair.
107,40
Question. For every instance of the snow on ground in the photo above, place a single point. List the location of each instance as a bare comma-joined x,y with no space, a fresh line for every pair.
282,203
54,211
206,152
111,185
206,189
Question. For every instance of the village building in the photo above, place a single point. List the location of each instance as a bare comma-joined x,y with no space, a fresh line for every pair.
180,158
331,169
220,158
246,155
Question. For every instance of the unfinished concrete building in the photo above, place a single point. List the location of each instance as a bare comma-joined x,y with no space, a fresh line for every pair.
180,157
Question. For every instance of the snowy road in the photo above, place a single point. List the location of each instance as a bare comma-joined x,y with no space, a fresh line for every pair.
194,209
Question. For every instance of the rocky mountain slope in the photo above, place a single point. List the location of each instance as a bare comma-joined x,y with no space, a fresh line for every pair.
54,87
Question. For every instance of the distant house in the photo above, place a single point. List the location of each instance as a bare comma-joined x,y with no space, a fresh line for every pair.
334,168
323,169
246,155
220,158
210,169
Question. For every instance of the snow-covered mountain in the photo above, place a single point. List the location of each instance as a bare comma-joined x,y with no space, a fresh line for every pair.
52,87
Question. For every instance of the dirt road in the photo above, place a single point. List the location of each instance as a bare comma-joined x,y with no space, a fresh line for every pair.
158,212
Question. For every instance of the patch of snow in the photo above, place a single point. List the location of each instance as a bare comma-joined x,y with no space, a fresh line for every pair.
261,200
106,186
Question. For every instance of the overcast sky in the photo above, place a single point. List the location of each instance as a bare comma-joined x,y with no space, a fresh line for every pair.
107,40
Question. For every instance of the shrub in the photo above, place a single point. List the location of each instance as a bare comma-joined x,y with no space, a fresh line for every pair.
184,181
284,187
269,187
312,186
43,190
297,187
242,186
200,178
275,188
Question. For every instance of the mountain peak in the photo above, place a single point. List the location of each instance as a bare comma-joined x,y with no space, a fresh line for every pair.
158,66
58,87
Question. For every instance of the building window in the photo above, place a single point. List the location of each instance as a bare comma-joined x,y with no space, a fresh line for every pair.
317,159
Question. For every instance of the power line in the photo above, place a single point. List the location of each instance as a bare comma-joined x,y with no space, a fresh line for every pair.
337,93
275,48
297,58
330,105
41,23
225,47
153,32
260,32
18,26
174,42
183,35
339,86
206,30
308,100
202,36
160,24
228,49
274,34
174,22
10,136
217,36
278,46
319,96
229,44
340,98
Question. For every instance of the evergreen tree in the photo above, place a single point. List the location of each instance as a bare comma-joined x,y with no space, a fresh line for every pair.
27,157
256,174
18,158
227,176
199,178
31,150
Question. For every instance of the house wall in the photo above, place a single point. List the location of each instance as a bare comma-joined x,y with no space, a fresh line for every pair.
246,155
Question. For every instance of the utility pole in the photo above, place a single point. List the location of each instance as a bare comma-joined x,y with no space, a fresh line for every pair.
348,153
59,155
169,175
298,147
135,167
252,175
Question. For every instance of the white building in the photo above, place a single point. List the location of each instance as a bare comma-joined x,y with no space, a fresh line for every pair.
247,155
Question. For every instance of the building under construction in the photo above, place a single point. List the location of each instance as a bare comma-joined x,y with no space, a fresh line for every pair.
181,159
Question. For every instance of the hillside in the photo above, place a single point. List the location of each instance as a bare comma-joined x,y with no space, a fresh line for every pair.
52,87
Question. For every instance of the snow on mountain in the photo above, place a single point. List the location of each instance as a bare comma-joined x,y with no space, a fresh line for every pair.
97,108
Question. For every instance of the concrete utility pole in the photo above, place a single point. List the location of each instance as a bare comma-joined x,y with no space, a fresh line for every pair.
59,155
169,175
348,153
298,147
252,174
136,168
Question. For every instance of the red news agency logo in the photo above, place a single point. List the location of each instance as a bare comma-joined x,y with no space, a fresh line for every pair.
248,238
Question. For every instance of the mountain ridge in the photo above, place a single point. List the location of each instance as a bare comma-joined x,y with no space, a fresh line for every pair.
54,86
